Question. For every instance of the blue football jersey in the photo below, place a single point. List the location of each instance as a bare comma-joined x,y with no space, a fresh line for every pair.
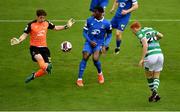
97,29
124,5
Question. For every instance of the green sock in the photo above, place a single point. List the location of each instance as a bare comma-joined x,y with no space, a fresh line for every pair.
156,84
150,83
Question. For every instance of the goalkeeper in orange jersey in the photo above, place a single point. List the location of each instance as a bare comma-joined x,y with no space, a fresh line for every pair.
38,46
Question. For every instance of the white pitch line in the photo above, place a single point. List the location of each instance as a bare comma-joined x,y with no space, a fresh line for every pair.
142,20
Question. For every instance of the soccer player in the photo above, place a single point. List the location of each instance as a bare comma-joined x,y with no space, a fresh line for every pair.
38,46
121,18
152,57
97,33
98,3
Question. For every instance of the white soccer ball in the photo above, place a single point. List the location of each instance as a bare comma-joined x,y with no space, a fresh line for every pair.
66,46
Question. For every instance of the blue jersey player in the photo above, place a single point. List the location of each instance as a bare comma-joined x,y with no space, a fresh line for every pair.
98,3
121,18
97,33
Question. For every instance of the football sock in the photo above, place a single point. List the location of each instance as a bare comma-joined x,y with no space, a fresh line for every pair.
39,73
98,66
82,67
118,43
156,83
150,83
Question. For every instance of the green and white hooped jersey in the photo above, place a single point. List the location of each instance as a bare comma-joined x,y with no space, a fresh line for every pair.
153,43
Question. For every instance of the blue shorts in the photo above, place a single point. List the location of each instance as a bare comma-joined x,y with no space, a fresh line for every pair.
120,23
100,3
88,48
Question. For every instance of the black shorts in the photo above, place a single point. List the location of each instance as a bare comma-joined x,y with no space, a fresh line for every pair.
44,51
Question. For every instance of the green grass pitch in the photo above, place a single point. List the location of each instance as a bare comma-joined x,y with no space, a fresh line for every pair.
125,85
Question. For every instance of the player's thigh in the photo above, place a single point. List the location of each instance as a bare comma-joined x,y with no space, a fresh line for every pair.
35,53
151,62
119,33
152,59
159,65
114,22
86,55
122,23
149,74
96,53
45,54
87,48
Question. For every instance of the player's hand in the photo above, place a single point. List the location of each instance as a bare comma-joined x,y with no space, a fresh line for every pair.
93,44
70,23
141,62
124,12
14,41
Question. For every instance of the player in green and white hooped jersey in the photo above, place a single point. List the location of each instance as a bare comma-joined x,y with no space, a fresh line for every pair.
152,58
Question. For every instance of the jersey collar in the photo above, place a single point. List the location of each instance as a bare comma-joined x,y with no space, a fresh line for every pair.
99,20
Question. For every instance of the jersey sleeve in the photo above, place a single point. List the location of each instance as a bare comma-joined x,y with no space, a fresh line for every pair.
27,28
156,32
140,35
86,25
51,25
109,27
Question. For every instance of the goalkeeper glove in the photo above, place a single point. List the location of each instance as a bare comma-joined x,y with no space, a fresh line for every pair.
69,23
14,41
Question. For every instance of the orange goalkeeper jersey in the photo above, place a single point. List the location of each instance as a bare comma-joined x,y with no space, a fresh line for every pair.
38,32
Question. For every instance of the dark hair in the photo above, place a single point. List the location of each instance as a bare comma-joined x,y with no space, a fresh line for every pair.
99,9
41,12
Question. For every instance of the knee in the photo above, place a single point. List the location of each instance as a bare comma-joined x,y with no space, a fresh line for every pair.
85,57
118,35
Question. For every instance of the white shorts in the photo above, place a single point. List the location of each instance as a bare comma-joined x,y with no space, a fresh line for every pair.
154,62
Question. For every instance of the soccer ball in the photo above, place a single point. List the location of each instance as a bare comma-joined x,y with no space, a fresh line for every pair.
66,46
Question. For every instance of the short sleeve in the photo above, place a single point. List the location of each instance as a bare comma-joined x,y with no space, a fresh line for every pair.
27,28
109,28
86,25
51,25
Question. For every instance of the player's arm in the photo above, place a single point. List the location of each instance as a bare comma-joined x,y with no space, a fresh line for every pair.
59,27
15,41
133,8
115,4
108,36
144,51
62,27
159,35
